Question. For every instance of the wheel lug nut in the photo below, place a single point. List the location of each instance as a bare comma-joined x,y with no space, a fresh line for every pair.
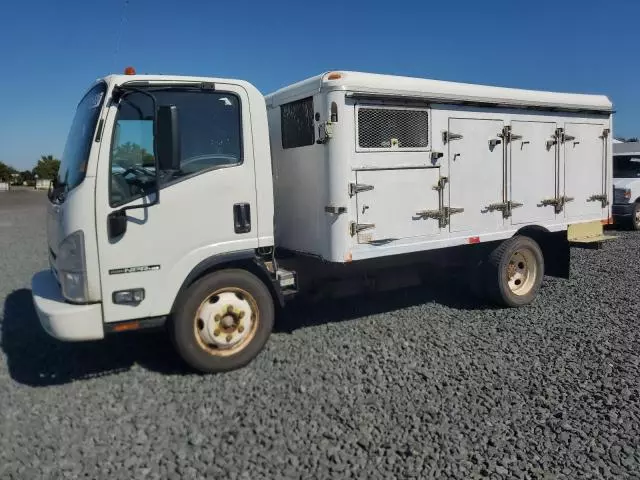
229,309
217,318
240,329
216,333
229,337
241,315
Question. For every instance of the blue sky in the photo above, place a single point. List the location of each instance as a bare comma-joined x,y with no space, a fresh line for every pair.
51,51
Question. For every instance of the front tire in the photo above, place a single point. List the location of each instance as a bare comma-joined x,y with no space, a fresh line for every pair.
222,321
514,271
634,222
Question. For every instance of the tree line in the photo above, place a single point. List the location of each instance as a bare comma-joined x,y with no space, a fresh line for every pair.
46,169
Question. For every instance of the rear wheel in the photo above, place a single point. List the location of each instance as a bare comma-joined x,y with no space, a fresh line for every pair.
514,271
222,321
635,218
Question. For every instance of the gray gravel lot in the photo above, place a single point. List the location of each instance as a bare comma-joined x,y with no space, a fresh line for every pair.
418,383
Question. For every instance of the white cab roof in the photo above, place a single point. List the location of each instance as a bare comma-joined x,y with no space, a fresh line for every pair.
360,83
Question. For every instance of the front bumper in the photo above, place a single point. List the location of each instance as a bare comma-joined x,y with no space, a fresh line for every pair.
622,209
60,319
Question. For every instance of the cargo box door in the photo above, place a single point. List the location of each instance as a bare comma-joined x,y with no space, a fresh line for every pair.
533,172
392,204
476,161
584,170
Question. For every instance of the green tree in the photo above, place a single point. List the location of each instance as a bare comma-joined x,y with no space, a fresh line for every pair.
130,154
27,176
5,172
47,167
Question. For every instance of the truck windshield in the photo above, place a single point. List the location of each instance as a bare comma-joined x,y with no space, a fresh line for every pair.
76,150
626,166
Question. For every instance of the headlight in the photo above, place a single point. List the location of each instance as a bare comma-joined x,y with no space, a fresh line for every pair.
72,268
621,195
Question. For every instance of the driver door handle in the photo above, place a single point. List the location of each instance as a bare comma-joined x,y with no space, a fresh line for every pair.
242,218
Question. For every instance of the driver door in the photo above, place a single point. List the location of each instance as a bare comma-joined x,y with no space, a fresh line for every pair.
196,217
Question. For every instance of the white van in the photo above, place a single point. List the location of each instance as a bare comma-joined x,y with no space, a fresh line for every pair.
626,184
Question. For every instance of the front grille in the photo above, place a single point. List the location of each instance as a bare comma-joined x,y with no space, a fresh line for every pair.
390,128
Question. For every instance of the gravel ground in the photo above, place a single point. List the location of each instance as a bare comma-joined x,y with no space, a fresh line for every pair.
410,384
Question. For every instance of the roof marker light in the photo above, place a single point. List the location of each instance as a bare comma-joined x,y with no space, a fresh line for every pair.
334,76
129,71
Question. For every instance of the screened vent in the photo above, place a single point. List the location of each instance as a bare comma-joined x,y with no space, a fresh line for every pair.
296,122
392,128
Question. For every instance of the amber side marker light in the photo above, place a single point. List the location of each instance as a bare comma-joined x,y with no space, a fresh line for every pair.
129,71
334,76
126,326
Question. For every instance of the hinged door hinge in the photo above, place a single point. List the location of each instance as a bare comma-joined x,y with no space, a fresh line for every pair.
605,133
505,207
442,181
450,136
335,210
355,228
562,137
507,134
358,187
558,203
599,197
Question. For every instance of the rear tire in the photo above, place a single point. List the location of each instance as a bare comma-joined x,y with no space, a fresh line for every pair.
222,321
514,272
634,222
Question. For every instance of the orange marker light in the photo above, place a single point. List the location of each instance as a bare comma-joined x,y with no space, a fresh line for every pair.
129,71
474,239
126,326
334,76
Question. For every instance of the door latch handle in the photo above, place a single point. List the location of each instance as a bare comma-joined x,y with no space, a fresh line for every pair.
242,218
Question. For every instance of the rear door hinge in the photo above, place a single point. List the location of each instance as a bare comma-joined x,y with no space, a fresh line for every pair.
599,197
450,136
355,228
558,203
505,207
355,188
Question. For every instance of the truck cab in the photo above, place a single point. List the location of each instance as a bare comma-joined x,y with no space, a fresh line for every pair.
626,184
163,180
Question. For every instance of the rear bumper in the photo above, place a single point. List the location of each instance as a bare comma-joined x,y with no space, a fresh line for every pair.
622,209
62,320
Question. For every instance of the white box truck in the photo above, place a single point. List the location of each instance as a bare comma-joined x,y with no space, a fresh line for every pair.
202,206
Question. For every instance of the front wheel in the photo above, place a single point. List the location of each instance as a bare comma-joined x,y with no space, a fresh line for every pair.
222,321
514,271
635,218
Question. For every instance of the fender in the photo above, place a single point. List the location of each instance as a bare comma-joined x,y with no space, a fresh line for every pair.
244,259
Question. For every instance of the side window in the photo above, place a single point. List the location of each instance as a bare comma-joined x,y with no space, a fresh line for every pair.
210,138
296,122
385,128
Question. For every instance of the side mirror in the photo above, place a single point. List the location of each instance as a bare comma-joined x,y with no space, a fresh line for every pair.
117,223
168,138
